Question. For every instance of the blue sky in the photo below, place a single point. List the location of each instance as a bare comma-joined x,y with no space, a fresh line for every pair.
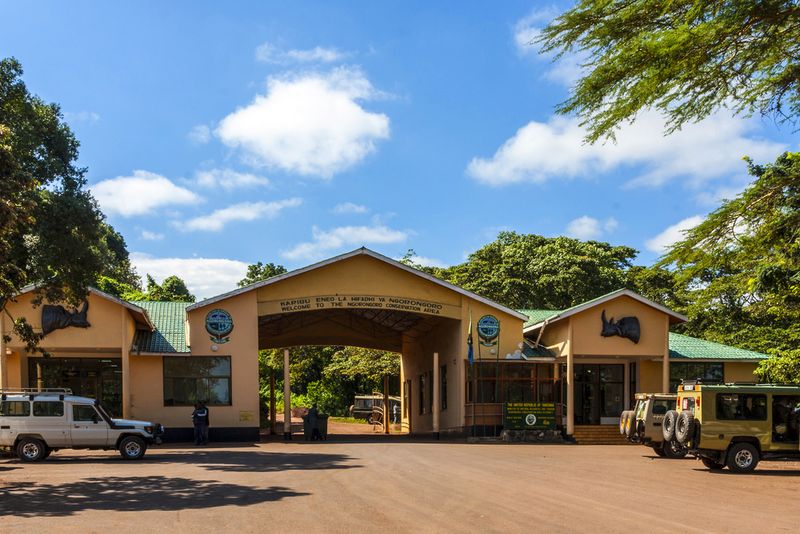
221,134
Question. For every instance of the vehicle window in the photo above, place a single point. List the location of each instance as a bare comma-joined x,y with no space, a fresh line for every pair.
84,412
15,408
661,406
741,406
48,409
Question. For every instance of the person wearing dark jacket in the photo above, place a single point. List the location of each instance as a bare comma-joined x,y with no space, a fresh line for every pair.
201,422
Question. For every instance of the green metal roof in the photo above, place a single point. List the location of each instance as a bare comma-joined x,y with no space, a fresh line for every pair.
683,347
537,316
169,319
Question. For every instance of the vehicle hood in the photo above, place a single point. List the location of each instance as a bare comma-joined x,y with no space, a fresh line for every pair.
131,422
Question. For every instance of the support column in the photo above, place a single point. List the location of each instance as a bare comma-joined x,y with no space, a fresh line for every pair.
665,363
287,398
3,355
273,427
437,401
570,384
387,416
126,365
626,376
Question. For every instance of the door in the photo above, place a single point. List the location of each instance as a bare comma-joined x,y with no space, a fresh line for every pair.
598,393
51,422
88,428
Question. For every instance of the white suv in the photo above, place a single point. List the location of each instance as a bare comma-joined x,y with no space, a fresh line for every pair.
35,423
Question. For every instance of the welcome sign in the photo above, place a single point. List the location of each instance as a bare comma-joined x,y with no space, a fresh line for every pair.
373,302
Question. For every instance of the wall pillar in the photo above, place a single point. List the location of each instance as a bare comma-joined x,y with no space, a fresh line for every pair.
273,428
626,405
126,365
287,397
570,384
3,355
665,362
437,402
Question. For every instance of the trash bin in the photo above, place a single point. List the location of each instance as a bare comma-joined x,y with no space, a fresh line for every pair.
322,426
307,430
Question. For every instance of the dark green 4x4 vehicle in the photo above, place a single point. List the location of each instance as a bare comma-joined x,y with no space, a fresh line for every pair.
736,425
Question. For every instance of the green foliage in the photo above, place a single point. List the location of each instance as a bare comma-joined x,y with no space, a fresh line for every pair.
171,289
740,268
783,369
260,271
369,364
51,231
685,58
532,271
119,289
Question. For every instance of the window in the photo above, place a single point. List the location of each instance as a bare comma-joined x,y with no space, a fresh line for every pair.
443,387
191,379
490,382
422,394
745,406
48,409
84,412
15,408
707,372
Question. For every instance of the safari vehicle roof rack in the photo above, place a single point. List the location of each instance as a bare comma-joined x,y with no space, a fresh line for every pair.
35,392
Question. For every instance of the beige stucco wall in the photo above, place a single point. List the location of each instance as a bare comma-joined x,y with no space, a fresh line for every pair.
243,350
649,377
740,372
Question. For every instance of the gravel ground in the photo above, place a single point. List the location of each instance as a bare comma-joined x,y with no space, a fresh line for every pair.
393,484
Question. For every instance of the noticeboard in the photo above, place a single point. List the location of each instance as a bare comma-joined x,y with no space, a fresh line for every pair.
529,415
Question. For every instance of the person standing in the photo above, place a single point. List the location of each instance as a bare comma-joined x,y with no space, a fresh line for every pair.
201,422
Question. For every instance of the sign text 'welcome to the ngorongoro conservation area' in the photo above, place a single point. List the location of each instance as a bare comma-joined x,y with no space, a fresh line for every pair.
376,302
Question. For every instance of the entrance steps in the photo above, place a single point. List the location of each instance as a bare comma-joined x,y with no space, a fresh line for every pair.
599,435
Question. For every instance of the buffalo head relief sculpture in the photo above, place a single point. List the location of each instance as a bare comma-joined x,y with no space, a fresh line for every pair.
627,327
56,317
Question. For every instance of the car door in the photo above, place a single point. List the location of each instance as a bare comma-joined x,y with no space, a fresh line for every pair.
51,422
87,428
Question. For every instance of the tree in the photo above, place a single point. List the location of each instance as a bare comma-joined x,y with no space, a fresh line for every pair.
373,365
740,267
51,231
532,271
173,288
685,58
260,271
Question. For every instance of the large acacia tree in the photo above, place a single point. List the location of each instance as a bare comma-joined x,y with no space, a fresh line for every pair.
685,58
51,232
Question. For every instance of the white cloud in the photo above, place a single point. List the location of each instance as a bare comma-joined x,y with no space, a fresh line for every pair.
586,227
700,152
245,211
269,53
151,236
347,208
205,277
228,179
426,261
81,116
140,194
200,134
310,124
672,234
326,241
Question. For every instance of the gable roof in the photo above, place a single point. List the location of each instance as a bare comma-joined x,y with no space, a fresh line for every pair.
682,347
538,319
363,251
138,313
170,327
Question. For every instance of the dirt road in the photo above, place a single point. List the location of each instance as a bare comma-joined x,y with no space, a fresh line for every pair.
393,485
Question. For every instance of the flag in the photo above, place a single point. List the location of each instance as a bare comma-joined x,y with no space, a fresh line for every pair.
470,354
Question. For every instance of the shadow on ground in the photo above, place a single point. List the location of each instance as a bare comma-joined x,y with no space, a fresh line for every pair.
239,461
130,494
758,472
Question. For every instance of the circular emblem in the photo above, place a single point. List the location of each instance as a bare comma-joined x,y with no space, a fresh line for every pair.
488,327
219,324
530,419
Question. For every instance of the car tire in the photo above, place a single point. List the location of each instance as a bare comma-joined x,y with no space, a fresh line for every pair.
668,425
623,419
31,450
714,465
674,450
684,427
132,448
630,427
659,449
742,457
